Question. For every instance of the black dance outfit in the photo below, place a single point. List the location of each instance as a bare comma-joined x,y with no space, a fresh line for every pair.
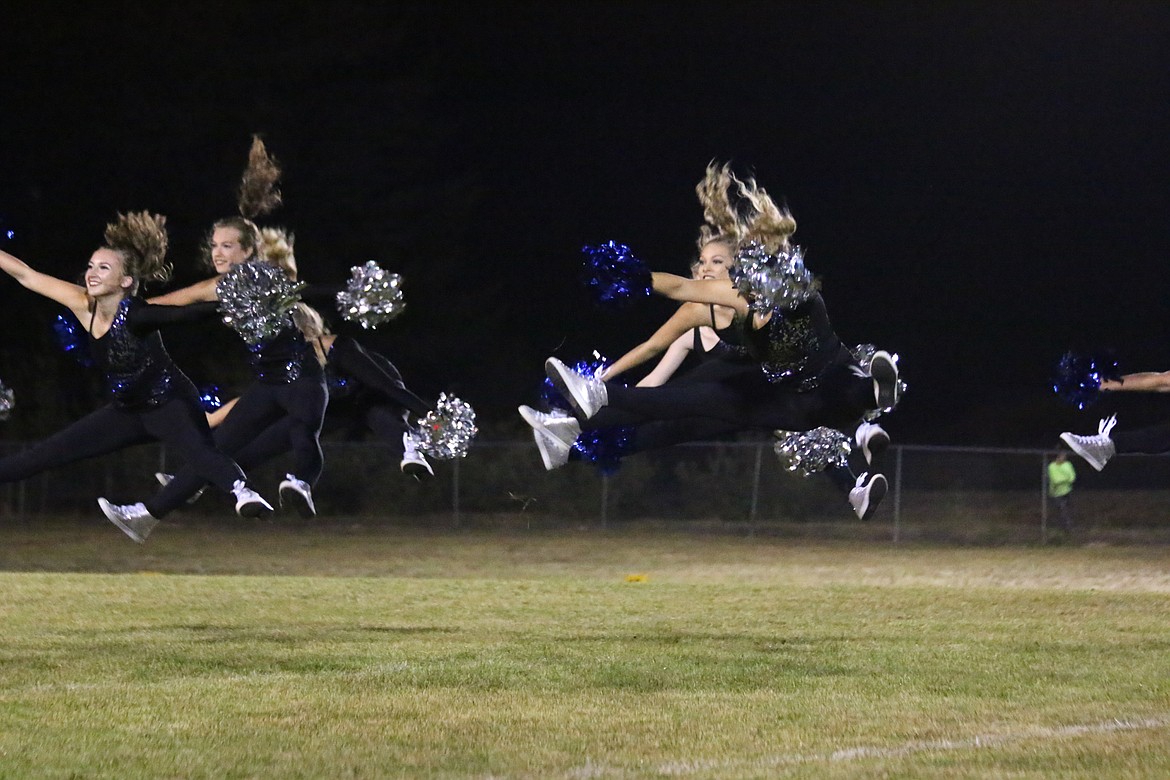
799,377
363,385
150,400
289,383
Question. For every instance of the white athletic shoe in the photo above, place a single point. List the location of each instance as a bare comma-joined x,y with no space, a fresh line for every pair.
133,519
1096,450
298,494
554,435
165,479
872,439
867,494
249,503
413,463
884,370
587,394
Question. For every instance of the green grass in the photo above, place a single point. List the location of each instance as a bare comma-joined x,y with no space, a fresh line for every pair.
360,652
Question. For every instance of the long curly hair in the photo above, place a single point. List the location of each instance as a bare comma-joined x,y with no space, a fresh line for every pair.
141,239
277,248
747,214
257,195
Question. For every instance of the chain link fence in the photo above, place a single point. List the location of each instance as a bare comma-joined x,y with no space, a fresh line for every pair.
951,494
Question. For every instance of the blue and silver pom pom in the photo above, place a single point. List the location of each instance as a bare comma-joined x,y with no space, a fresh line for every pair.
255,299
209,399
372,296
1078,377
605,447
7,401
66,330
446,432
809,452
772,281
614,276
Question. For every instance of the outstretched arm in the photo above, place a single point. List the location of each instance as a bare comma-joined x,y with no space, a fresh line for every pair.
71,296
717,291
688,316
676,353
1147,382
199,292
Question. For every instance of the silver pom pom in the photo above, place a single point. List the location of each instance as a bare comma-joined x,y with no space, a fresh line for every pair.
255,299
809,452
372,296
773,281
446,432
7,401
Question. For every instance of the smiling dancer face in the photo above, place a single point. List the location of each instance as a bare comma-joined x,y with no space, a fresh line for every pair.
232,241
714,261
106,277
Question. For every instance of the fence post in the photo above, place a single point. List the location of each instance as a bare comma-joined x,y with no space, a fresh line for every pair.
897,493
604,501
1043,498
756,490
455,489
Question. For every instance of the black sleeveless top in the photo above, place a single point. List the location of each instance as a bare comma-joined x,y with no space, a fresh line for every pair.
796,345
139,372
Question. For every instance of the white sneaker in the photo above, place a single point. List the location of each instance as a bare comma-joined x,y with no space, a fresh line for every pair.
1096,450
165,479
554,435
872,439
249,503
884,370
413,463
587,394
133,519
867,494
298,494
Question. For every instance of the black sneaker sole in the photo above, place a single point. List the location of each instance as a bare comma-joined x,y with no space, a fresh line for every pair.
885,378
416,470
253,510
876,446
877,491
293,499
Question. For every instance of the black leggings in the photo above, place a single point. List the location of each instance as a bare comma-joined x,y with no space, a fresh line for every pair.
1153,440
745,401
178,423
302,402
386,421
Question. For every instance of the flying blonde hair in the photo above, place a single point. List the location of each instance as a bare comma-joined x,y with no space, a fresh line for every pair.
276,248
141,239
748,214
257,195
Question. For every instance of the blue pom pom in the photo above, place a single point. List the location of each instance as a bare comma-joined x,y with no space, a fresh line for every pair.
614,276
69,338
552,399
605,447
209,398
1078,377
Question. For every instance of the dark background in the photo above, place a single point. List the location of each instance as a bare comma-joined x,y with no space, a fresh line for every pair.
981,186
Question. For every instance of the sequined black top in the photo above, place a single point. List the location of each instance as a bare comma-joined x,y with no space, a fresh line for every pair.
284,358
131,354
796,345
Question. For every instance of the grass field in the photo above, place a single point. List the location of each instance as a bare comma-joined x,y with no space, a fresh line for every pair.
362,652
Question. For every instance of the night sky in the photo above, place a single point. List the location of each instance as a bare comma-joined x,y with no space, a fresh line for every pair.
980,186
